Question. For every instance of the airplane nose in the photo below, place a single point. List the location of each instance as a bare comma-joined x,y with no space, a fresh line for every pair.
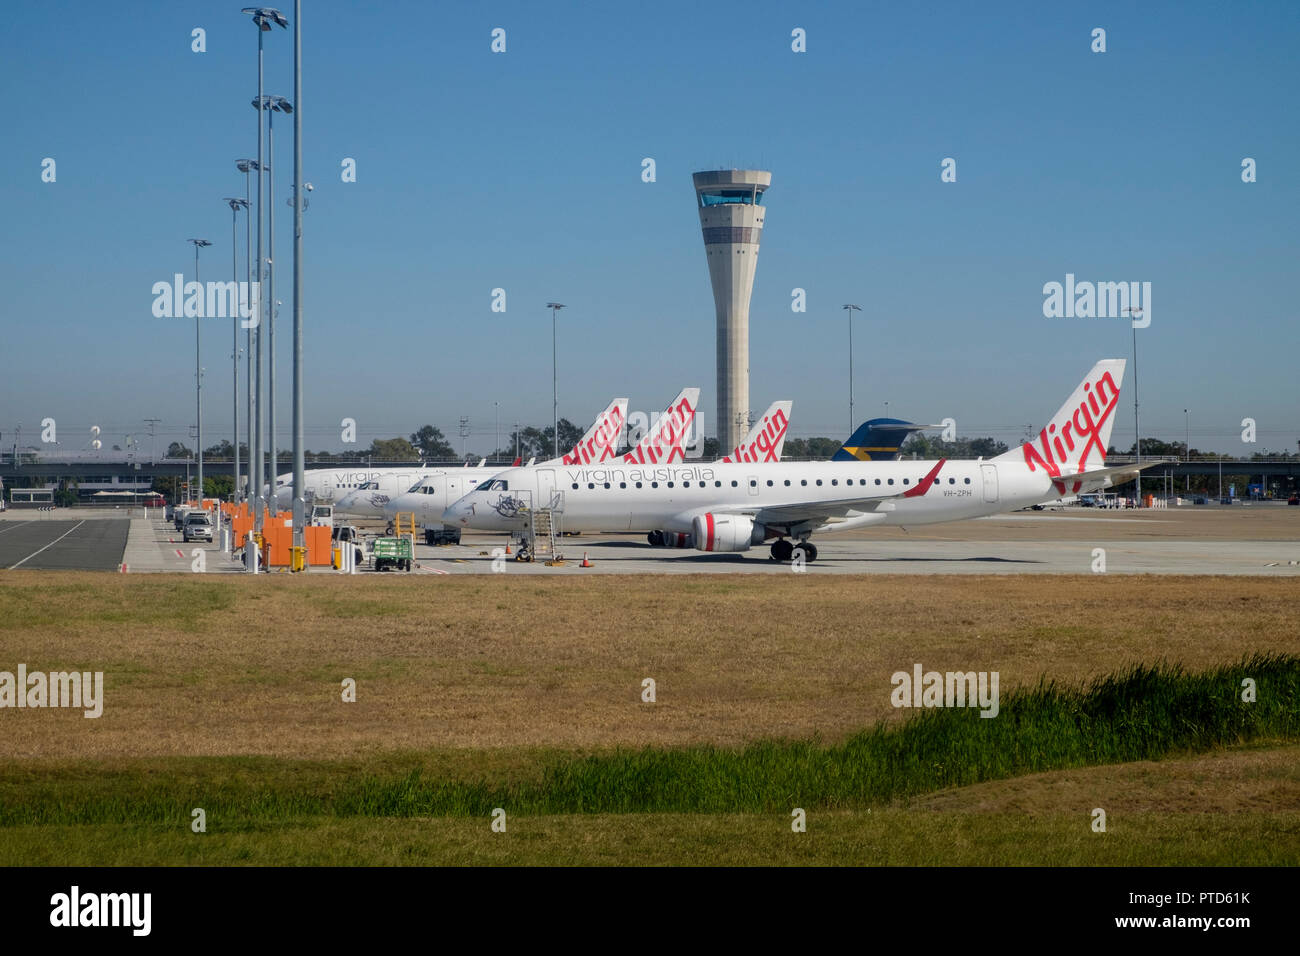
392,507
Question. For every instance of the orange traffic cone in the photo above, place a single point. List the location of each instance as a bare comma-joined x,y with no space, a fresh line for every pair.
585,562
507,547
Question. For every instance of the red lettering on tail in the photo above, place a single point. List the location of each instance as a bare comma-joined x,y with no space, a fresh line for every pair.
764,445
1088,420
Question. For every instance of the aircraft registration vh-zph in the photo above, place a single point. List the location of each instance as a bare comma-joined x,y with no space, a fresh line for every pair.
734,506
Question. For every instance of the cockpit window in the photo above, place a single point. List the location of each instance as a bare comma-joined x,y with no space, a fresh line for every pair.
415,487
498,484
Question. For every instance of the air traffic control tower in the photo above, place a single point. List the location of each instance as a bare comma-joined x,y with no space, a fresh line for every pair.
731,218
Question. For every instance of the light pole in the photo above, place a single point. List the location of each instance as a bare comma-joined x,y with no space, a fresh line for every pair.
1187,448
555,394
263,17
246,166
153,444
850,309
272,105
198,372
496,414
1137,434
299,204
235,206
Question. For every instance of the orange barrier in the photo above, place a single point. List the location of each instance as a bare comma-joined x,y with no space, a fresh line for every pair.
277,539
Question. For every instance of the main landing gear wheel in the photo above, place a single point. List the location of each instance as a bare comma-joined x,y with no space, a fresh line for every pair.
782,550
809,551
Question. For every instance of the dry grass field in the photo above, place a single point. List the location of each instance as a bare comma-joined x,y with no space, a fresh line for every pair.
225,692
230,666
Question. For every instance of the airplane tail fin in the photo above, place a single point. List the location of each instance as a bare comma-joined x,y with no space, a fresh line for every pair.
601,440
877,440
766,439
665,442
1075,440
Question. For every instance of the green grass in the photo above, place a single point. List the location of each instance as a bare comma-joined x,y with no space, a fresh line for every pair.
1145,713
881,837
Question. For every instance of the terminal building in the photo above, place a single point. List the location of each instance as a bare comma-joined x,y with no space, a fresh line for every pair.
731,218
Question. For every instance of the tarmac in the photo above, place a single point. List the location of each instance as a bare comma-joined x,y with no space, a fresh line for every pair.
1241,540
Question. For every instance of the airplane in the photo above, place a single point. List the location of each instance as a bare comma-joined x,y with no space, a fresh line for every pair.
367,500
662,442
329,484
370,500
733,506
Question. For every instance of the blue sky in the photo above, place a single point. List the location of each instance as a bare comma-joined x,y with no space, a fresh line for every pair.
522,171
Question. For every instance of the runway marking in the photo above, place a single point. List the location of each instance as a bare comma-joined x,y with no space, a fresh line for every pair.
51,544
180,553
18,525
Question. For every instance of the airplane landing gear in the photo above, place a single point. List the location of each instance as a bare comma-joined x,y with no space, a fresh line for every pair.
783,550
809,551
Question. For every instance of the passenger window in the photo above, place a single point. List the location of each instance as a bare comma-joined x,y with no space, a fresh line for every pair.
907,481
638,484
607,486
787,482
654,484
968,481
717,484
835,481
819,482
622,484
670,484
891,481
769,482
877,481
734,485
590,485
803,481
575,486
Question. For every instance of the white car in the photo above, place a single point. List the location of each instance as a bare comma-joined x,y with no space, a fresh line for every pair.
198,526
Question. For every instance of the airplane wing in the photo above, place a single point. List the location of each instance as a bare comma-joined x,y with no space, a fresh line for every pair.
819,512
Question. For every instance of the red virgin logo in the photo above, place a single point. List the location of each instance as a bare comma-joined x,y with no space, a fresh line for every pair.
665,445
600,446
763,447
1078,437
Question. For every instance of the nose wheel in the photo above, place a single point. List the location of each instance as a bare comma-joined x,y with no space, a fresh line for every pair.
783,550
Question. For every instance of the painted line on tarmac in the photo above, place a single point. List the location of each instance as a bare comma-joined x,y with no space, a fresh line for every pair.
51,544
18,525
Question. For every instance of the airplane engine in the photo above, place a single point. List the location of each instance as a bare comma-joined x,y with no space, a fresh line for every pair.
669,539
725,532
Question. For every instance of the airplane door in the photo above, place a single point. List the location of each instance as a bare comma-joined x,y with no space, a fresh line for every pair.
753,484
990,473
545,486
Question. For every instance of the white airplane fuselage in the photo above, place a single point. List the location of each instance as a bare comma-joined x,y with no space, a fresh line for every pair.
332,485
637,498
